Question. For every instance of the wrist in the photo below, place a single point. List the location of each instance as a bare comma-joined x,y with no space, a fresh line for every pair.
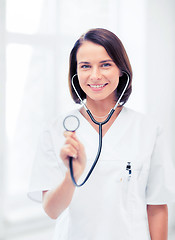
76,176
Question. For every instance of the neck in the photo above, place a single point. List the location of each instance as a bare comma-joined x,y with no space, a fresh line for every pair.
100,108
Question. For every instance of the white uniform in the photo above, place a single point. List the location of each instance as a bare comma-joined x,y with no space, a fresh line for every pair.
111,205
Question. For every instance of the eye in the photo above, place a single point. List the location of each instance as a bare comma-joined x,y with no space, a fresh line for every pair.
85,66
106,65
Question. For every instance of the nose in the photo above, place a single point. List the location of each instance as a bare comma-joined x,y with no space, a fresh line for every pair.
96,74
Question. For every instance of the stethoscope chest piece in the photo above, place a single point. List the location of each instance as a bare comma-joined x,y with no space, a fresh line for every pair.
71,123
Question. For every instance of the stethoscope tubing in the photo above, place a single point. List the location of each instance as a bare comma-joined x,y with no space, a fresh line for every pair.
94,163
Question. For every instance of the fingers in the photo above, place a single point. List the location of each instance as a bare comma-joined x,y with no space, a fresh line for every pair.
71,146
70,134
69,151
66,152
72,140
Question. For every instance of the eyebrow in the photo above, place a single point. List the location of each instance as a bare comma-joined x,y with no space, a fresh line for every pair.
108,60
104,61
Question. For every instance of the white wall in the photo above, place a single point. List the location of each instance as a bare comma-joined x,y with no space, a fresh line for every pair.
160,61
2,112
160,72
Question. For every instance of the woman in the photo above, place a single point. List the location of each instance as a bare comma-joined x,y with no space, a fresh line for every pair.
127,194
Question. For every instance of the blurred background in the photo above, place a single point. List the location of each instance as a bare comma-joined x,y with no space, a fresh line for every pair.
36,37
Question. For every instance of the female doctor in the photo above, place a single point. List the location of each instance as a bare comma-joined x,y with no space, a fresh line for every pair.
114,203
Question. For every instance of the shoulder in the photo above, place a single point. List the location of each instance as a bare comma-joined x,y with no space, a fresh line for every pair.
144,129
142,120
140,116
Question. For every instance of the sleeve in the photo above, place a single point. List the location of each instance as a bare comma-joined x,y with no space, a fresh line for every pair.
46,172
161,180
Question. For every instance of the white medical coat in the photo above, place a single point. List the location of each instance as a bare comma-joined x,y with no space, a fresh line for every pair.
110,205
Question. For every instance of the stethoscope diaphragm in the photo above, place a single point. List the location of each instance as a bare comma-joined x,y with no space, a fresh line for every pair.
71,123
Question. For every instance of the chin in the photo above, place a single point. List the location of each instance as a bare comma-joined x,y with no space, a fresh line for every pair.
98,99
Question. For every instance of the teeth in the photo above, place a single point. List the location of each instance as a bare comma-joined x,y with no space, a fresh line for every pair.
97,86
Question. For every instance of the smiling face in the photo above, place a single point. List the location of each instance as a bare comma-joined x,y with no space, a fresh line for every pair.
97,73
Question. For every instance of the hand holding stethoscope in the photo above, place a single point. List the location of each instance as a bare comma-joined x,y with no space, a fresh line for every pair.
73,148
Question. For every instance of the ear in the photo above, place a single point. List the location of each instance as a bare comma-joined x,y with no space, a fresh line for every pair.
121,74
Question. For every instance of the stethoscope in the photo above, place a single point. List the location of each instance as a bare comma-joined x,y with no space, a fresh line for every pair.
72,123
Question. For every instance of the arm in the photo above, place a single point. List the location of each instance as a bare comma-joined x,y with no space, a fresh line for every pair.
57,200
158,221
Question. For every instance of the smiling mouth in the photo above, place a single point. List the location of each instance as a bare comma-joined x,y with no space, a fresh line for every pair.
97,86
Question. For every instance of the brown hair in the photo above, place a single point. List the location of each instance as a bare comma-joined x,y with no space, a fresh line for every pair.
115,50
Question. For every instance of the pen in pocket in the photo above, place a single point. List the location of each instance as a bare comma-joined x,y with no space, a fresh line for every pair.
128,168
